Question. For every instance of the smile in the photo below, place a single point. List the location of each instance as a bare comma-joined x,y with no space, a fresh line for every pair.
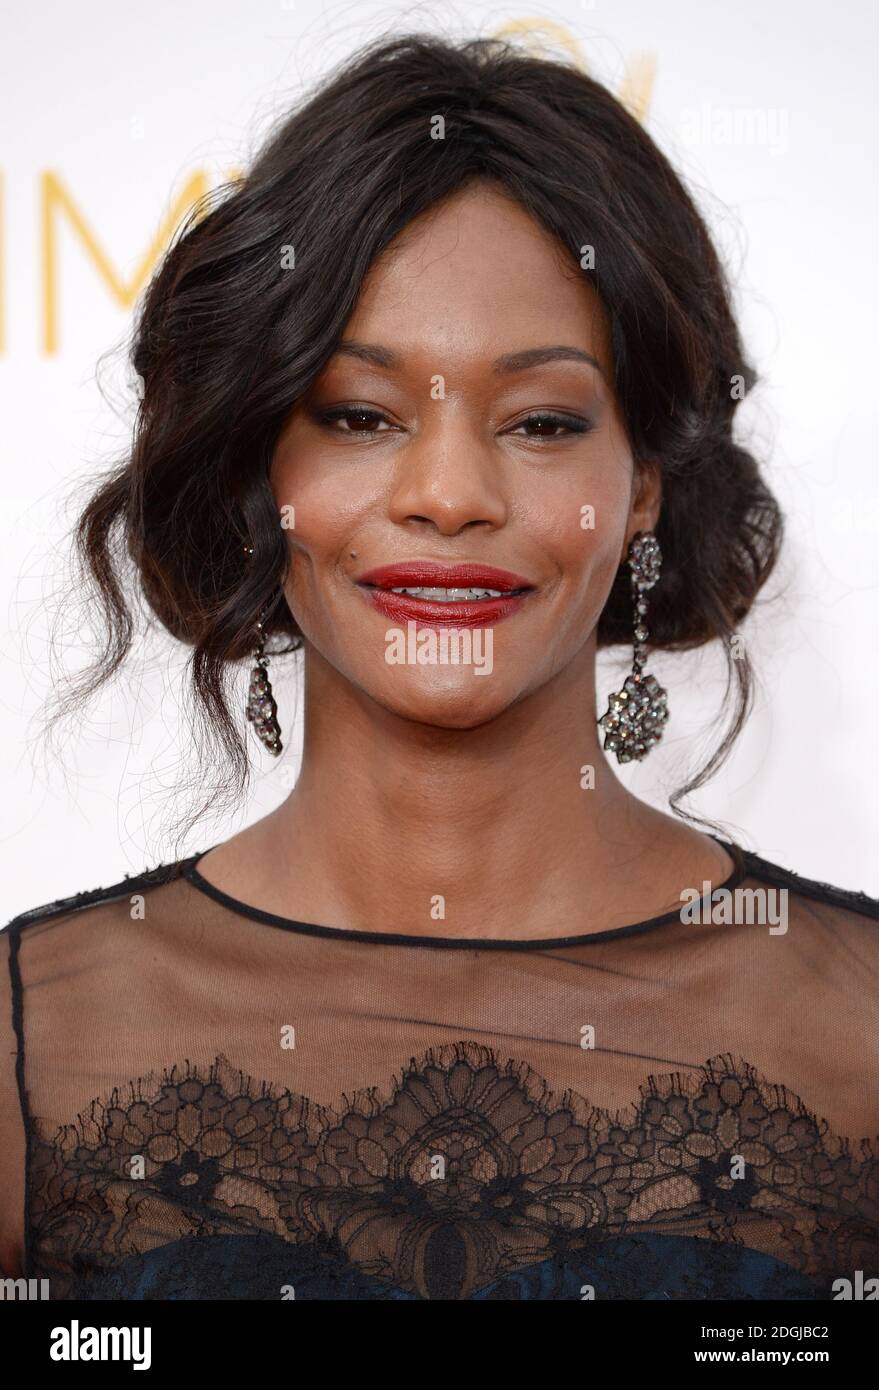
454,595
435,595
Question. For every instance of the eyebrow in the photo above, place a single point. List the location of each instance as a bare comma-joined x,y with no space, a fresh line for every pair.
511,361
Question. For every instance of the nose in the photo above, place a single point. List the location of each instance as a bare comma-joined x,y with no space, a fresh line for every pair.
449,477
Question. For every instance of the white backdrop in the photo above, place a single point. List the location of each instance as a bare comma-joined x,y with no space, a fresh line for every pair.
110,110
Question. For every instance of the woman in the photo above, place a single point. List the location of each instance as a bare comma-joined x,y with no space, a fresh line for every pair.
443,393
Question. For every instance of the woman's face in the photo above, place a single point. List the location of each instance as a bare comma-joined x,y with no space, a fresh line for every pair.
419,444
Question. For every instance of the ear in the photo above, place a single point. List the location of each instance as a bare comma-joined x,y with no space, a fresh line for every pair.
646,502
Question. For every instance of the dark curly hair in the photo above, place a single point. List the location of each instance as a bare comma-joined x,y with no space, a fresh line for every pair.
225,341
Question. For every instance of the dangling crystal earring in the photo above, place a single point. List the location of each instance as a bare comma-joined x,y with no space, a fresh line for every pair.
636,714
261,709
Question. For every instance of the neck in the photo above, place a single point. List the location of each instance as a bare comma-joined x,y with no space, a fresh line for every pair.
492,831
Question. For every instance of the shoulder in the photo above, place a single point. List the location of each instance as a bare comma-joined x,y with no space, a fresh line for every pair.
97,949
811,938
806,984
810,890
87,939
60,962
76,903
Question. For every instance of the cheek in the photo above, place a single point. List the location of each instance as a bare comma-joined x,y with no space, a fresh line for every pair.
580,521
325,509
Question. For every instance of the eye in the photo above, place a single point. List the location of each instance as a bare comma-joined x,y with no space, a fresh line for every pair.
363,419
545,425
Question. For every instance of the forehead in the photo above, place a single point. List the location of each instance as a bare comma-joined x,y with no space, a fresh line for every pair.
475,277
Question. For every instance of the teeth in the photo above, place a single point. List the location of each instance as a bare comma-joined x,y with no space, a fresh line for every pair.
450,595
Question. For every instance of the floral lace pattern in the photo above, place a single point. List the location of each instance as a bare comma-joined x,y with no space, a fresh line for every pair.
469,1178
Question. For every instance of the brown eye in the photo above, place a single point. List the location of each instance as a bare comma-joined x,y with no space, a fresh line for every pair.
552,426
359,420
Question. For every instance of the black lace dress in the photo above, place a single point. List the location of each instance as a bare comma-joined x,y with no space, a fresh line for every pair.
221,1103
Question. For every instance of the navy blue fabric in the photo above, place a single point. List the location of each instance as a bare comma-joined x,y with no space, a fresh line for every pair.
649,1267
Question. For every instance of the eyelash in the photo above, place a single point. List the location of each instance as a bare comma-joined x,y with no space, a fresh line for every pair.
572,424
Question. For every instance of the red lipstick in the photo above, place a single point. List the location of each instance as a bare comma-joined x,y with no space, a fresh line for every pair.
512,589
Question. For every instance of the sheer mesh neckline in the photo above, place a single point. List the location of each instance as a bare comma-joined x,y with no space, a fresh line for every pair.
659,1110
191,873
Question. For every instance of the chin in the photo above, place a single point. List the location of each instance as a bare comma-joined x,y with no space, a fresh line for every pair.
463,708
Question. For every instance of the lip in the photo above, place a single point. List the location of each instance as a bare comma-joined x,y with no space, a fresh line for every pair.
429,574
376,585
